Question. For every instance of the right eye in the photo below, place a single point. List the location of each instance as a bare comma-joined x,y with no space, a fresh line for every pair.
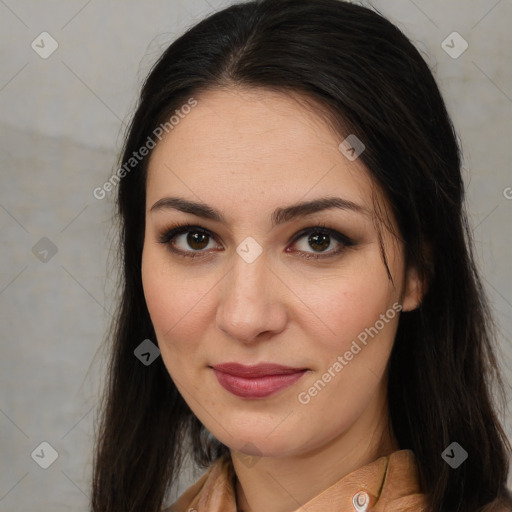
195,237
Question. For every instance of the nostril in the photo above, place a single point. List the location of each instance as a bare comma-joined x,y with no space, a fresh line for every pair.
361,500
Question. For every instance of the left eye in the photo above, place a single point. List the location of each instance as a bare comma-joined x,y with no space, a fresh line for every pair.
318,238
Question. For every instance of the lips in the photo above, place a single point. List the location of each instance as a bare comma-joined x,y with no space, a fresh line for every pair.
257,381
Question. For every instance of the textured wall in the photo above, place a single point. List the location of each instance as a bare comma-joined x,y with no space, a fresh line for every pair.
61,120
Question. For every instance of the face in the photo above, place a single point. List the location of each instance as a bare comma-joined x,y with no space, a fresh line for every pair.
249,280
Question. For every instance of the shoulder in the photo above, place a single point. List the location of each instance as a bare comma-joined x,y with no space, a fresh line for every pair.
210,487
188,497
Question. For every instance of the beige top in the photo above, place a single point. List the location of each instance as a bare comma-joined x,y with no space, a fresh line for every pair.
388,484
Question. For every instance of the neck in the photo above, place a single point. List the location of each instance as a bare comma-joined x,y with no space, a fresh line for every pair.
285,484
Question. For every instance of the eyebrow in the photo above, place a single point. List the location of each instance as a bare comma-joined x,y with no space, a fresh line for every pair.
279,216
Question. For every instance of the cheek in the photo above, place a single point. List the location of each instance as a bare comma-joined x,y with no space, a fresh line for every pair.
361,312
349,305
173,301
168,311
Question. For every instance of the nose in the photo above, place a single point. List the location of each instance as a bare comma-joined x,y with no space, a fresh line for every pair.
252,301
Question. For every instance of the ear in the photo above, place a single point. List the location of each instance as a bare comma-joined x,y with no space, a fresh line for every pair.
414,290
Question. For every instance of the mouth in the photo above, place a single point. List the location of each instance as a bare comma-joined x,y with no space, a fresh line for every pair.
256,381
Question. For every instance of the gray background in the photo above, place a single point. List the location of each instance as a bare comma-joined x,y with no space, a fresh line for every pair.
61,125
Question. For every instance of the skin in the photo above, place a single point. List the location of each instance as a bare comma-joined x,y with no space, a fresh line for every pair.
246,152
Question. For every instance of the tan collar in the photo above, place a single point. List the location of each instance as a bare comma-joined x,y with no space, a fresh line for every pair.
387,484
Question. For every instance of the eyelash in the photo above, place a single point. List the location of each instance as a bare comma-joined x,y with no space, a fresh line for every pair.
178,229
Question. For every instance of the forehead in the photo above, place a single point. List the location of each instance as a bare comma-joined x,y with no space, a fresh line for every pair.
250,144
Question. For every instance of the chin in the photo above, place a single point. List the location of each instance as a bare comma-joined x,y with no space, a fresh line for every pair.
256,443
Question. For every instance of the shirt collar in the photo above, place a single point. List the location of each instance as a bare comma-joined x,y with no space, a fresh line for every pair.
389,483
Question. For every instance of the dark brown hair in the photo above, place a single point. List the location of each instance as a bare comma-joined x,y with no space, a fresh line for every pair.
367,75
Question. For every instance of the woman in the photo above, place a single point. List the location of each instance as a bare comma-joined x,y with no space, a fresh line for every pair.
294,241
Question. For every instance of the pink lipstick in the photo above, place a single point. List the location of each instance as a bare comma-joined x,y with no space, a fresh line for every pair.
257,381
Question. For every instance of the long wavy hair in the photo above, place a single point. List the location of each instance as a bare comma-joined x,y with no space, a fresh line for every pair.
368,79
